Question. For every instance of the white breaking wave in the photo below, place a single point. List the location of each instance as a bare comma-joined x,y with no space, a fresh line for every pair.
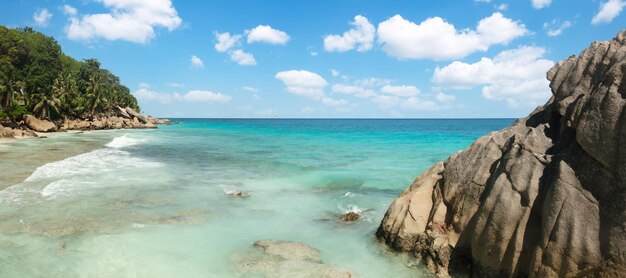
77,173
351,208
123,142
95,162
63,187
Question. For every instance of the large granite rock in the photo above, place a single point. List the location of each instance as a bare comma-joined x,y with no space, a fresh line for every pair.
545,197
135,114
5,132
39,125
121,112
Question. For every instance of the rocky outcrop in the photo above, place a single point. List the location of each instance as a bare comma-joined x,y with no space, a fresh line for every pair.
545,197
39,125
5,132
134,114
121,112
275,258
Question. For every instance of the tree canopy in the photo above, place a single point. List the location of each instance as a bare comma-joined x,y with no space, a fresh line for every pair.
36,77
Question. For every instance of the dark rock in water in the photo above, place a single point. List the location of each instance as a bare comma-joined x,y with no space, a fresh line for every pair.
543,197
275,258
350,217
237,193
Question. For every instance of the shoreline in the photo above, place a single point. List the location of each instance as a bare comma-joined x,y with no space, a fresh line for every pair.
32,154
119,118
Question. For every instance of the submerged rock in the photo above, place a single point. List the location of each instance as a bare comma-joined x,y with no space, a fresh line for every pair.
350,217
237,193
543,197
275,258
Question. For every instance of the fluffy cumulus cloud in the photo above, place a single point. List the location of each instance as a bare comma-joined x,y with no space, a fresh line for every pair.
556,27
516,76
226,41
243,58
608,11
196,62
42,17
437,39
144,93
267,34
69,10
132,21
540,4
360,37
307,84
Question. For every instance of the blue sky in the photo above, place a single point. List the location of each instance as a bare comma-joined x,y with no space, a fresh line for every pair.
326,58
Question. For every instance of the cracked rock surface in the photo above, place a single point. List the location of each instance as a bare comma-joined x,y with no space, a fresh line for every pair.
545,197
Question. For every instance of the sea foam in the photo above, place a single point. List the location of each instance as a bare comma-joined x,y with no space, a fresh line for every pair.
97,161
123,142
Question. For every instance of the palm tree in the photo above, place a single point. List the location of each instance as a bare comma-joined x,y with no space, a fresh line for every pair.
46,103
96,93
8,92
64,88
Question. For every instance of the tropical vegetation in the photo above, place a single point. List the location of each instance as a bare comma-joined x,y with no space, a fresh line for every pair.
37,78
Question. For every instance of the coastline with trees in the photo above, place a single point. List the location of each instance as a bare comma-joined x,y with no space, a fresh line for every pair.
40,85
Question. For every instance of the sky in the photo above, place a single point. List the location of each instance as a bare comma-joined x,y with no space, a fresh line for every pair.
326,58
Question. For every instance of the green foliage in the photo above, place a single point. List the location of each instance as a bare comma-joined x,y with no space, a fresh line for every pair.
36,76
15,113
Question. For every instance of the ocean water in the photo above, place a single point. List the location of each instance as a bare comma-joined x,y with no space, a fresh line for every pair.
154,203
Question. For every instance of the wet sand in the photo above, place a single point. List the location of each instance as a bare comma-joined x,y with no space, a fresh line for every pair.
21,157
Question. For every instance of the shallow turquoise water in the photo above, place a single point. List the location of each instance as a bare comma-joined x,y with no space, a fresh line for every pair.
153,203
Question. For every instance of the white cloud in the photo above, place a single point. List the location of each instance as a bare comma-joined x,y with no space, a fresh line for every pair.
483,1
195,96
250,89
516,76
555,27
205,96
267,34
355,90
242,58
314,53
132,21
226,41
400,91
608,11
69,10
307,84
387,96
360,37
196,62
441,97
42,17
303,83
502,7
334,72
145,94
416,103
437,39
540,4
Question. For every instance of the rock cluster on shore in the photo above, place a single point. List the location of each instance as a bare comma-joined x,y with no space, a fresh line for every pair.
545,197
117,119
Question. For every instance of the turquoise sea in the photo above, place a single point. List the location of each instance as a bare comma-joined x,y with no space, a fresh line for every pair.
155,203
